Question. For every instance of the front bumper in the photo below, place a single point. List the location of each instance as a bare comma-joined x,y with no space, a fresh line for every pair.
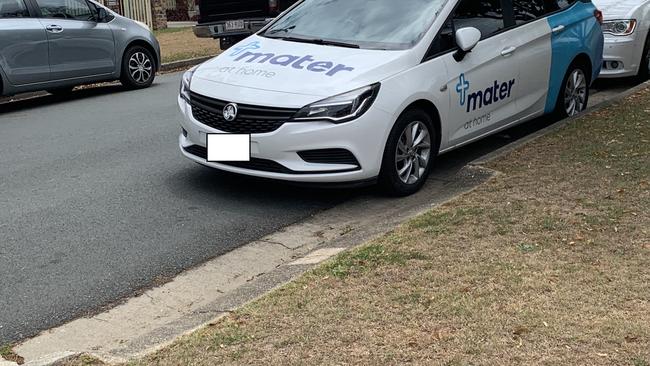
364,137
622,55
218,29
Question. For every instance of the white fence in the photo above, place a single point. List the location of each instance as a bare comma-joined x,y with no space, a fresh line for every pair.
139,10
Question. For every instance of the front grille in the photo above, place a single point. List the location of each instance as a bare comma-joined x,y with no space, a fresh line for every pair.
329,156
250,119
263,165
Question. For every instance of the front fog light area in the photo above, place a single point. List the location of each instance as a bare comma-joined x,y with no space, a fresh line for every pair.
340,108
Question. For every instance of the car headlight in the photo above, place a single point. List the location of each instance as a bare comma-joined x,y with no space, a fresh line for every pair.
186,81
340,108
623,27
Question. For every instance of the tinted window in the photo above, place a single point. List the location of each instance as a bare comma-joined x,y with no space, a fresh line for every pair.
527,10
65,9
388,24
485,15
13,9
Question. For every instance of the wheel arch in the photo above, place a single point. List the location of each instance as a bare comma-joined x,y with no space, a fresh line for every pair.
430,108
584,60
145,44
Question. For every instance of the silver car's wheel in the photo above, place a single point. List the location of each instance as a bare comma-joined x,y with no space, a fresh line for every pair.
413,152
140,67
575,93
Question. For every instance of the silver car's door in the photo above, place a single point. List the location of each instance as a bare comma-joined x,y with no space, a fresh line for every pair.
23,44
79,45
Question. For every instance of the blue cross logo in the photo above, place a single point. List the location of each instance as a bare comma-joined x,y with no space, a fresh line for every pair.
249,46
462,88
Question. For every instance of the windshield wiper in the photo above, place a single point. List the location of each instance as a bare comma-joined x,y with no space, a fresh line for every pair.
286,30
319,41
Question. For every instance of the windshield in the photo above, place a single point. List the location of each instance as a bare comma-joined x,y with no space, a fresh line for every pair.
375,24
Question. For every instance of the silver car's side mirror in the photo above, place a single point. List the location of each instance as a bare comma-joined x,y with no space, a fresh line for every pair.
466,39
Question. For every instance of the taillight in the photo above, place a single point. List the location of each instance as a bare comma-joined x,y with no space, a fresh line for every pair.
599,16
273,6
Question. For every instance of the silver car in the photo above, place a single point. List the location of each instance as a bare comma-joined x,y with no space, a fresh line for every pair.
55,45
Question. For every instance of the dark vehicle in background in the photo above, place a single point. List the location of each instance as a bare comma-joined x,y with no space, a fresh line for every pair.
230,21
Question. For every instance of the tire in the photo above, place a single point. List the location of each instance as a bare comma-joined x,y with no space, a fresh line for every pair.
61,91
568,93
644,67
138,68
396,177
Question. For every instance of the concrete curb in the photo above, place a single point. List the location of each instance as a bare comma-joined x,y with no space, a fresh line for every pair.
556,126
170,66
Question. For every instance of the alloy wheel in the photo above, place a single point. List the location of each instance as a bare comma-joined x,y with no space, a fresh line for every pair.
140,67
413,152
575,93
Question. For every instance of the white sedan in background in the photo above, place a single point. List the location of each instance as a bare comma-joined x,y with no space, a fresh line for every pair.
627,45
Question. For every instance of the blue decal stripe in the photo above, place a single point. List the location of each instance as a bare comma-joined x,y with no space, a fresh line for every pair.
581,34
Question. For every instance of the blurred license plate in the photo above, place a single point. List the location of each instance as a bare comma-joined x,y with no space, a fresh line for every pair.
234,25
228,147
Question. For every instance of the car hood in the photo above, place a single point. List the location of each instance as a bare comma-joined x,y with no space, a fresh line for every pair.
618,9
273,65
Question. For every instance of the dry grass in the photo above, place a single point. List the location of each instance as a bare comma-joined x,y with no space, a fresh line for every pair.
547,264
181,44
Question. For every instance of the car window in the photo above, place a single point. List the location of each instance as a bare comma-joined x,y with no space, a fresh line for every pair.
13,9
527,10
485,15
65,9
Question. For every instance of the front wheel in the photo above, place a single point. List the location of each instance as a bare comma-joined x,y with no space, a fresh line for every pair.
138,68
409,155
574,95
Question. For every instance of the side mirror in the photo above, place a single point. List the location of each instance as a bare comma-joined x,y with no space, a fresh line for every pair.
466,39
101,14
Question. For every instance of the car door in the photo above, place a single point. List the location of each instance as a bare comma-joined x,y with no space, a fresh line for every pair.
482,87
79,46
534,53
23,44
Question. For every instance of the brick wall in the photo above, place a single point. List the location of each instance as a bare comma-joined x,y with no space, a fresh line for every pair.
158,14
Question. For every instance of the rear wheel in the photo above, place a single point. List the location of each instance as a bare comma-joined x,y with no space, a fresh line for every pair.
138,68
574,95
409,155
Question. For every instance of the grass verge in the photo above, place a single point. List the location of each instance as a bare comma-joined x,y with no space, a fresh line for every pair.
181,44
7,353
547,264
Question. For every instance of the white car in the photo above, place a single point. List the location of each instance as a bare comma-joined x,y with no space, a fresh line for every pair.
357,91
627,45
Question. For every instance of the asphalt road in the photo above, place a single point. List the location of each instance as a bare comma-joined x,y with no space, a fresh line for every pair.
97,202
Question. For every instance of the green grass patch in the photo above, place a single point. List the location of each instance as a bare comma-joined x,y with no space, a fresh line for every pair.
367,258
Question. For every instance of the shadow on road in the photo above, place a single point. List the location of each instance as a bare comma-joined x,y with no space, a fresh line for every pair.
23,102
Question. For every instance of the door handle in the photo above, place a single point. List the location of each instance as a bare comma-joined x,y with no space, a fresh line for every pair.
558,29
508,51
53,28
